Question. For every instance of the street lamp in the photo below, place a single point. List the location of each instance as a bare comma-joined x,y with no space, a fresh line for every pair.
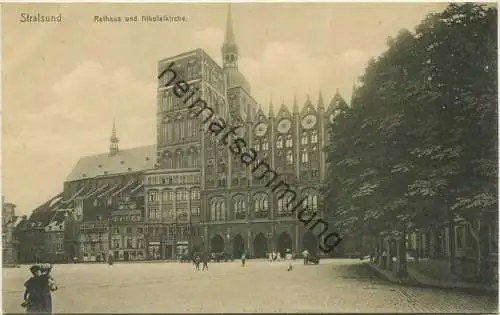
270,240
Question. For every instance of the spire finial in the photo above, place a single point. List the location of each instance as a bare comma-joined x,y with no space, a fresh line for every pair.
295,104
271,108
321,102
113,147
229,47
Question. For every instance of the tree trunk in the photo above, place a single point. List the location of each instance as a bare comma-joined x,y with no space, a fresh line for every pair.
451,249
401,252
480,235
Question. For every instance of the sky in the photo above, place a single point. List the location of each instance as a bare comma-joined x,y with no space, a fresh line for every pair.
64,84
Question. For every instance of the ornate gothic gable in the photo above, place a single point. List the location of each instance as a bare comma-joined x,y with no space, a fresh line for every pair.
308,108
284,112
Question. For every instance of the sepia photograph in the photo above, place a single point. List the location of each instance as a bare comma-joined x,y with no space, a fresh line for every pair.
238,157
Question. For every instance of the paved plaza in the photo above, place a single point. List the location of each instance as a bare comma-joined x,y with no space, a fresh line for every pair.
337,285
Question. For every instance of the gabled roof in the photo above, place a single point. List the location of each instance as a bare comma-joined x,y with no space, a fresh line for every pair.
125,161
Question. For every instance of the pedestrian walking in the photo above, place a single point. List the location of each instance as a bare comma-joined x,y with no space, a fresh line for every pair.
384,258
37,294
111,260
288,257
197,261
305,253
243,259
205,262
270,256
274,256
278,256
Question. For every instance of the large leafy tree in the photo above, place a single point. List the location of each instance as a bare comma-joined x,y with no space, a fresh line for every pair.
418,145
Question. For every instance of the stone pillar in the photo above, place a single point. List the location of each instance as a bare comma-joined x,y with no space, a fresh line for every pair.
297,239
249,242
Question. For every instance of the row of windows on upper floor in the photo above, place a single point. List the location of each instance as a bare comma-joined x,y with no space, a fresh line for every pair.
182,159
182,129
178,195
172,179
286,141
169,101
218,210
306,158
181,213
221,181
194,70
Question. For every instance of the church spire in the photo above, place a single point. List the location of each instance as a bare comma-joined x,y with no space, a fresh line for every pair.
113,146
229,47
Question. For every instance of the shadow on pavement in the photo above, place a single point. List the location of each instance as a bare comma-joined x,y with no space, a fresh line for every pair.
358,272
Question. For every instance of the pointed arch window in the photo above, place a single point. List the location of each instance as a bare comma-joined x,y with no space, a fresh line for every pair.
218,209
261,206
165,195
170,101
178,163
153,195
265,145
279,143
312,202
195,194
185,160
314,137
305,156
179,195
289,141
284,206
189,123
289,157
195,158
303,140
256,146
240,209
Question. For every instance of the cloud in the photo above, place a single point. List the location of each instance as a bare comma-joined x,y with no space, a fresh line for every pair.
76,122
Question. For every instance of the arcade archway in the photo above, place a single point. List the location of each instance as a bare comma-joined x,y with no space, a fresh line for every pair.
284,243
217,244
310,242
260,246
238,246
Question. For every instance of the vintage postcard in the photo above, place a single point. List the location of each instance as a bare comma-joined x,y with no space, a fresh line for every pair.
249,157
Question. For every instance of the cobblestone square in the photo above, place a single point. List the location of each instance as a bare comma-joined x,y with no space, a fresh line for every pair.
337,285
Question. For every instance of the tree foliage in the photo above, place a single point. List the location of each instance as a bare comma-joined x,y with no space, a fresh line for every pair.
419,142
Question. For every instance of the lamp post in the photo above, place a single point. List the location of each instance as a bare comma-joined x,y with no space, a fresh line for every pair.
203,243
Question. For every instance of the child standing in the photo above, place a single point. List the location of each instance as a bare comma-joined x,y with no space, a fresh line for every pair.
289,259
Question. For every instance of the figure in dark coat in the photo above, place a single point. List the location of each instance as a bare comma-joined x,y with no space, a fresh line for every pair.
205,262
37,294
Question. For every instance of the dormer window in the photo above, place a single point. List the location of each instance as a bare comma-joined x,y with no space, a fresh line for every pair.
147,158
99,166
122,162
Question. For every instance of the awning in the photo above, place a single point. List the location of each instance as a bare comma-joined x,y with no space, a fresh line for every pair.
98,190
123,188
74,196
108,191
136,188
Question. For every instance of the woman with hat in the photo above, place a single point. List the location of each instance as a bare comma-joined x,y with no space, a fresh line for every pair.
37,294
